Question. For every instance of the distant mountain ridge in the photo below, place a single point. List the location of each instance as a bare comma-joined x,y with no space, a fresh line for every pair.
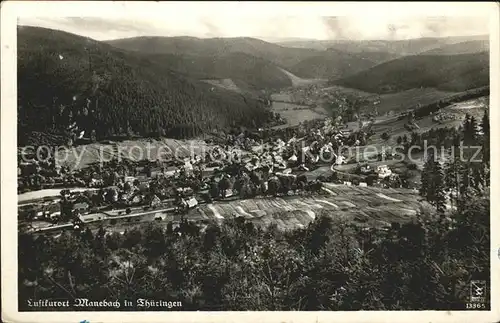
304,58
127,93
444,72
304,62
186,86
467,47
397,47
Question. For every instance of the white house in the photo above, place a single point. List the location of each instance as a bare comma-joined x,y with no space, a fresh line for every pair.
229,192
383,171
340,160
192,202
188,167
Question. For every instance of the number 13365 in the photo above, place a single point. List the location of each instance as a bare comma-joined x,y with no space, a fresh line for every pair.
475,306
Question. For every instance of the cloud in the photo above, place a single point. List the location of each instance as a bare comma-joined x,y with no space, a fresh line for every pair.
315,27
212,29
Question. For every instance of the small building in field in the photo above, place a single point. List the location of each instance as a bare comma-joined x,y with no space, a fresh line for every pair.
81,208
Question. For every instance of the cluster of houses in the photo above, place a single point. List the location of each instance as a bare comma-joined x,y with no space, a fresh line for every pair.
382,171
44,210
273,157
33,174
443,116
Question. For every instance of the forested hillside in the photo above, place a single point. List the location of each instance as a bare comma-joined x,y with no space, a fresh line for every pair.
333,64
246,70
444,72
65,79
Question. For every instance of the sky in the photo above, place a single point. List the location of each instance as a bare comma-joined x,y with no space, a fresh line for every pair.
268,26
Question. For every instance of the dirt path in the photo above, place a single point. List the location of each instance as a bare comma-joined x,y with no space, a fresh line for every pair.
35,195
298,81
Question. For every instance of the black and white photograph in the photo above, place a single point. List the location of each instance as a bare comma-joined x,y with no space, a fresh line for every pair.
242,158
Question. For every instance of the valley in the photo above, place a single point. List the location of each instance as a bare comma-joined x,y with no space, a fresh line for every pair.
233,173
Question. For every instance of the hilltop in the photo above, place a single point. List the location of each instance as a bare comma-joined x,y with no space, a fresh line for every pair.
215,47
454,73
468,47
394,47
303,62
127,93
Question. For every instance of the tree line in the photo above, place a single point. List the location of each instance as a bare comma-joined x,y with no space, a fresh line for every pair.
239,265
464,171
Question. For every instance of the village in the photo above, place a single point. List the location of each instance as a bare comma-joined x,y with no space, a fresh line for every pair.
268,163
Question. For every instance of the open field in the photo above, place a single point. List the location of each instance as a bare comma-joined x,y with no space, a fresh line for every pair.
347,91
364,205
410,98
294,113
394,127
84,155
283,103
227,84
479,103
298,81
36,195
393,102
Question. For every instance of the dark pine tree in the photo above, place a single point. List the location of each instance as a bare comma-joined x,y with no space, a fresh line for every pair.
438,187
467,130
425,177
473,131
433,183
485,125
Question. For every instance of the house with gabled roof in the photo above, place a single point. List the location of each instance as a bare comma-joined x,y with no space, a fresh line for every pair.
155,201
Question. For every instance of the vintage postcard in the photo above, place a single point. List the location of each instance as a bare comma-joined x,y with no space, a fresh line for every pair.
250,162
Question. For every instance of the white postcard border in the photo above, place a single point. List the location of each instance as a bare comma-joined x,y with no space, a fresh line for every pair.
10,10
